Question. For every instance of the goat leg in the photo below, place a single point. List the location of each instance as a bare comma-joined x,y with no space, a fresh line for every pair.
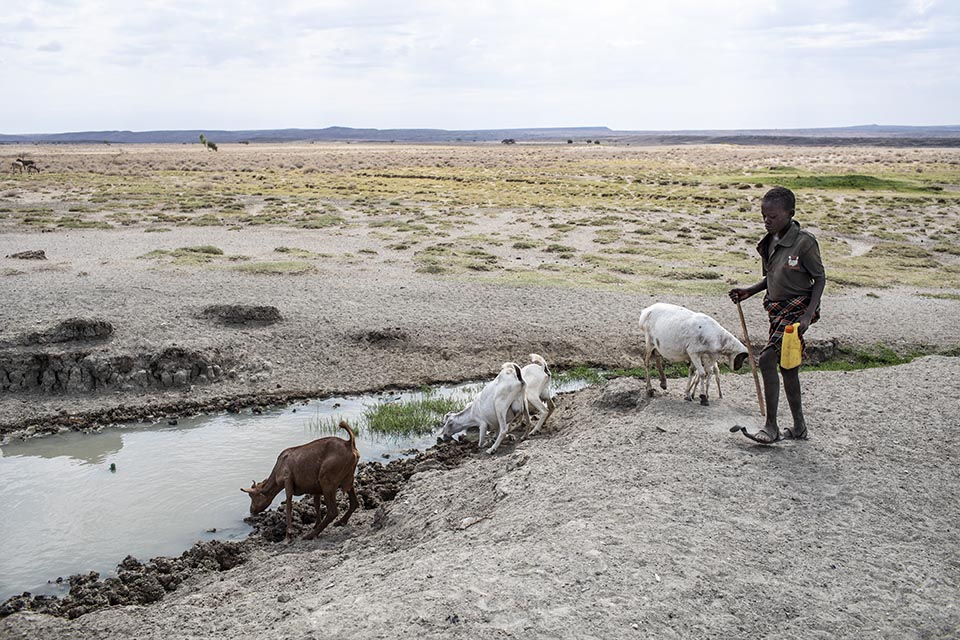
330,501
354,503
288,485
663,378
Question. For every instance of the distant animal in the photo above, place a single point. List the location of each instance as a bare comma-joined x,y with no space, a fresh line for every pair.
499,402
19,165
681,335
538,395
318,468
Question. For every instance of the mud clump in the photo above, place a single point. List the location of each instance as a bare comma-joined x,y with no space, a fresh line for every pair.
621,393
72,329
383,337
242,314
135,584
29,255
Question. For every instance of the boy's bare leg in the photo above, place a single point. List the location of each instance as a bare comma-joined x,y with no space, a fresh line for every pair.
769,362
791,387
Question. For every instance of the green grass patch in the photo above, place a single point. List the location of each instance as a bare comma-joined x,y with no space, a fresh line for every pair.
940,296
204,248
597,375
76,223
319,221
854,358
847,182
416,417
947,247
289,267
302,253
187,256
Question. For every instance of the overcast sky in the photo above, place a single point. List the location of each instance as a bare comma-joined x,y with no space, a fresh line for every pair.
667,64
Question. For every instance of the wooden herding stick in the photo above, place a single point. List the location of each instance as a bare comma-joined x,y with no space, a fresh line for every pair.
753,366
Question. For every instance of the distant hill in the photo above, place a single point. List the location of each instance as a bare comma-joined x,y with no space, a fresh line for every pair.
873,135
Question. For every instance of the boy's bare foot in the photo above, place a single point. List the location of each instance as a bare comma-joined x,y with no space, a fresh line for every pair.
797,432
767,435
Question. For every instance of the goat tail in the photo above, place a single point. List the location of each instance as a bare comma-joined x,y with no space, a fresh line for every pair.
538,359
518,372
353,438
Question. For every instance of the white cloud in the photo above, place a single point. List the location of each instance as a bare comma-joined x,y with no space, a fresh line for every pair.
639,65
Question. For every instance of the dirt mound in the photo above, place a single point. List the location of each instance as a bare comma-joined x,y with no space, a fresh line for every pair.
70,330
242,314
386,337
85,372
622,393
29,255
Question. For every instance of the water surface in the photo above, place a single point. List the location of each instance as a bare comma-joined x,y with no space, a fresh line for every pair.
64,511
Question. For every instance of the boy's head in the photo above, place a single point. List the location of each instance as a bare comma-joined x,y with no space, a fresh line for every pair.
781,197
778,207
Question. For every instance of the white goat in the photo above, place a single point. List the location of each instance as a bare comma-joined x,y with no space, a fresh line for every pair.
539,396
499,402
681,335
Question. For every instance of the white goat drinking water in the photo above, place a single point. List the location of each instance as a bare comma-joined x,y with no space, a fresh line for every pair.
539,396
499,402
680,335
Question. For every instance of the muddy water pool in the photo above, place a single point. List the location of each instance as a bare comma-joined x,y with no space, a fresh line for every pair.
64,511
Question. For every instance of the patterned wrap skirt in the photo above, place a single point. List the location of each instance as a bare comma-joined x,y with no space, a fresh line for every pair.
782,313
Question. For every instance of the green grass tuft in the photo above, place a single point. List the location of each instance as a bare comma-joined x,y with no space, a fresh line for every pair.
416,417
205,248
290,267
940,296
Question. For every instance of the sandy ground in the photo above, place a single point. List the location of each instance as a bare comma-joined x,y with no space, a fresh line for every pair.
648,519
453,328
628,520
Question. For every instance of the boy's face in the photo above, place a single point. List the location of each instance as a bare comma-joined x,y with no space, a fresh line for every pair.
775,218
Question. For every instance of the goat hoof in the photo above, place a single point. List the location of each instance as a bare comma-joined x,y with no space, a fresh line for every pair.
649,393
704,401
663,385
688,398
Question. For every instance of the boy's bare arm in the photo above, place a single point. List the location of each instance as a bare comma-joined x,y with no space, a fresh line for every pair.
815,295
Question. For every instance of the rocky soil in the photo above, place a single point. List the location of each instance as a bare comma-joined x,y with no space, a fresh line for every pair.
629,518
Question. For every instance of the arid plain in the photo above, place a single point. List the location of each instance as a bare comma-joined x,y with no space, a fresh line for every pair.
402,265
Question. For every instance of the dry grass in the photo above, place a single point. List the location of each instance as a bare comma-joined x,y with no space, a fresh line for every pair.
646,219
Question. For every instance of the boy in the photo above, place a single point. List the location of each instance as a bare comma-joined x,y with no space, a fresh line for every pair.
794,280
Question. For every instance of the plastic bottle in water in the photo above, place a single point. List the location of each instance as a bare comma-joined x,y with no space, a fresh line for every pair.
791,352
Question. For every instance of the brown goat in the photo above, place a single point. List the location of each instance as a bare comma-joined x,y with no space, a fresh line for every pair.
318,468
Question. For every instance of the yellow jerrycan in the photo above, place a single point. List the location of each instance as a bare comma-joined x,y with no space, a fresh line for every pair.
791,352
